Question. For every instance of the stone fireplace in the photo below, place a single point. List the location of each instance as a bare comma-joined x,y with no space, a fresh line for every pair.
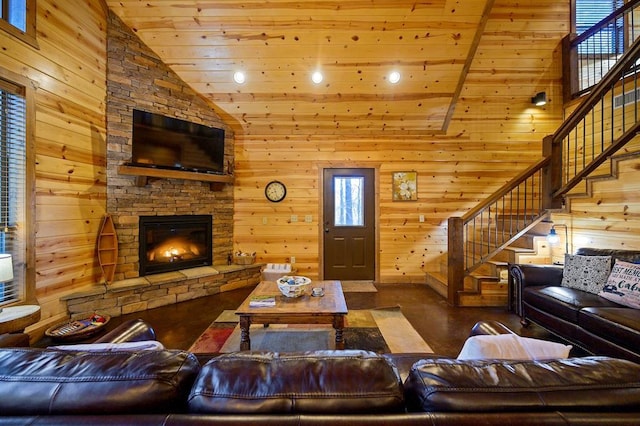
171,243
138,79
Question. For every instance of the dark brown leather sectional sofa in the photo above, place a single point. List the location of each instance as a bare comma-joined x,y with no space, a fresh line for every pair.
172,387
586,320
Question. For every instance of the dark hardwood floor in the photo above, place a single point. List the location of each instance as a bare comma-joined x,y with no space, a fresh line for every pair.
443,327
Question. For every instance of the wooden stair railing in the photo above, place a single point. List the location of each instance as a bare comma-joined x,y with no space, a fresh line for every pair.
598,127
588,137
495,223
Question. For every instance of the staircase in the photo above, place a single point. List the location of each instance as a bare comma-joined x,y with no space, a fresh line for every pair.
488,284
505,228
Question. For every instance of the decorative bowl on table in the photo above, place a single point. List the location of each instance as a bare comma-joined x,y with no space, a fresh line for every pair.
293,285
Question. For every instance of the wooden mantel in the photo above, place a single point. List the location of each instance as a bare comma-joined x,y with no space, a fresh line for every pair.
216,182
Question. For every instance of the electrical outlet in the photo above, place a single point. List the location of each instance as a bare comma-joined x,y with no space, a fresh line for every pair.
293,259
421,218
308,218
294,218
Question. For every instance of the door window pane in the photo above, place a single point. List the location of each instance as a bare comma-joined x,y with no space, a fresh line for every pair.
349,201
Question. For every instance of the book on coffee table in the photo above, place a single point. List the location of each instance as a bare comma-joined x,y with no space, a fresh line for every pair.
262,301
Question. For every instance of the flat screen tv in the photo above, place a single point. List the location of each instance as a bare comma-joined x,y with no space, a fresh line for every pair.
170,143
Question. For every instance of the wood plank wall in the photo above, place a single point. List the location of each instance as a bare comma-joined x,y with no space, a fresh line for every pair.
69,69
608,217
494,133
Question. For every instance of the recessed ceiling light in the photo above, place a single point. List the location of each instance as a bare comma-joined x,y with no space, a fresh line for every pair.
317,77
394,77
239,77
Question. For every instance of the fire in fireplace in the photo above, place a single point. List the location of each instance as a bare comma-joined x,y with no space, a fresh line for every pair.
171,243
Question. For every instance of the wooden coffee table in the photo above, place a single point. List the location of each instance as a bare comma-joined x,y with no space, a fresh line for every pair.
328,309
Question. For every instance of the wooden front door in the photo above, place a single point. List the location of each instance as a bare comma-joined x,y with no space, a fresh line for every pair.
349,224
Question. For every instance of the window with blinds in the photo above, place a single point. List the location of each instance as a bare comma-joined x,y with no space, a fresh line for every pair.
610,38
590,12
12,186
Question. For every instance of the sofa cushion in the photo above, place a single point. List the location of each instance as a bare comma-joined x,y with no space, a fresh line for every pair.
43,381
586,273
632,256
563,302
307,382
619,325
573,384
623,285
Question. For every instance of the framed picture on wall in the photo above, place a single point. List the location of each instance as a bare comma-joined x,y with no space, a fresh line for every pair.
404,186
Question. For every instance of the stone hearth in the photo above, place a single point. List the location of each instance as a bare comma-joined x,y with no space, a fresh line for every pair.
139,294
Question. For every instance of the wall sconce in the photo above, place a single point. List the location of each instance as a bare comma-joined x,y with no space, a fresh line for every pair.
539,99
553,238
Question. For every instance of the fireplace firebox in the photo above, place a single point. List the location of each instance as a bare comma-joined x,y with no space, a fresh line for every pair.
171,243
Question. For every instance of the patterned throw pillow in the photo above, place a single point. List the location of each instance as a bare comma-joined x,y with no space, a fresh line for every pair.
587,273
623,285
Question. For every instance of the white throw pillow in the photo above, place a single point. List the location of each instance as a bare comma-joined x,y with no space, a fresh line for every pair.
623,285
512,347
143,345
587,273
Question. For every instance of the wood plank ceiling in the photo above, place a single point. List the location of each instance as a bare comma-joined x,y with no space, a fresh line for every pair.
356,44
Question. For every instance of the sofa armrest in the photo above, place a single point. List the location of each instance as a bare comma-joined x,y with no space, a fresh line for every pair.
130,331
525,275
489,328
14,340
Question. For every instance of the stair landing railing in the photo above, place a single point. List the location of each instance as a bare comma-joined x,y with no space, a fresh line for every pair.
605,121
591,54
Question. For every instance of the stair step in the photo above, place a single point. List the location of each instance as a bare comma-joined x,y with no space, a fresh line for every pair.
481,300
510,254
438,282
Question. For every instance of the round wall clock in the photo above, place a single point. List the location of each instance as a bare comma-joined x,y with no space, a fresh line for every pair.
275,191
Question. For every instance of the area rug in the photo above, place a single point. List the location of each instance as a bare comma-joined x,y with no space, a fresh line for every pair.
377,330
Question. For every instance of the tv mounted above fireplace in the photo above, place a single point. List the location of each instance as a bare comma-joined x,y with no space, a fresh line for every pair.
171,143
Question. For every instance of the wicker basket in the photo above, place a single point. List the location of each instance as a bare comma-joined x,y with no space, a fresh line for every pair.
72,331
244,260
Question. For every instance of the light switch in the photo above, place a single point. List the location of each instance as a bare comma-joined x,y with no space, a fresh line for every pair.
294,218
421,218
264,220
308,218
